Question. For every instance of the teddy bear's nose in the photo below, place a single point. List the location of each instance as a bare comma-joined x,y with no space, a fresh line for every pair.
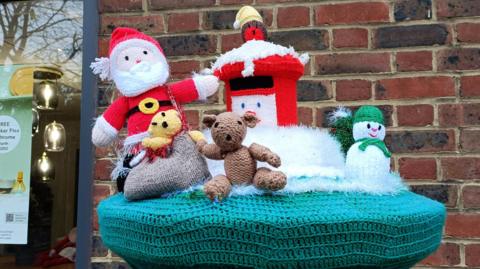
164,124
229,137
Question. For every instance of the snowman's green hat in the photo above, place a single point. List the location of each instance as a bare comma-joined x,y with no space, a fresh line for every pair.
368,113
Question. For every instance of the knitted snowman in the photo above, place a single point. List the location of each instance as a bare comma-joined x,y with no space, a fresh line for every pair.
368,157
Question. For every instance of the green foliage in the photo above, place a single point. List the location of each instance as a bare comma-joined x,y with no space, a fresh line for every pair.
342,130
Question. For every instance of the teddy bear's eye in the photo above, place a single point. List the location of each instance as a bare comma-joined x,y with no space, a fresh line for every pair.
126,58
145,52
216,124
154,123
368,125
239,122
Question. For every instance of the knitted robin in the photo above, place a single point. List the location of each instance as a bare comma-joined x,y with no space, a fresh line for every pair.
260,76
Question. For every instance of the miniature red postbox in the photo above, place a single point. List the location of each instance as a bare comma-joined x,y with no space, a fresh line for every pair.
261,77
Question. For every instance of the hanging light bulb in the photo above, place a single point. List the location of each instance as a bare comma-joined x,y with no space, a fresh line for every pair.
45,95
54,137
35,121
45,168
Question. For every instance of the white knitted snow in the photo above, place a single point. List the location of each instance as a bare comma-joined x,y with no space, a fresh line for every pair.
254,50
311,159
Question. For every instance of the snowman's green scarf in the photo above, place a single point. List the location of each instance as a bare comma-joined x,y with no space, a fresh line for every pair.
365,142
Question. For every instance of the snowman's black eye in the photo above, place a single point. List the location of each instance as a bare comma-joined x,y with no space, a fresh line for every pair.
145,52
243,105
259,105
380,127
368,125
126,58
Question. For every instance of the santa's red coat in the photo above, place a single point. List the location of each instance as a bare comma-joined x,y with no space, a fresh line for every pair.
124,108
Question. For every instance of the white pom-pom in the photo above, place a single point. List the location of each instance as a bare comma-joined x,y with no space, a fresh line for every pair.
206,71
101,67
340,112
304,58
236,25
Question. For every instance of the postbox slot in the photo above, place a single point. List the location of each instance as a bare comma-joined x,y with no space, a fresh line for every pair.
248,83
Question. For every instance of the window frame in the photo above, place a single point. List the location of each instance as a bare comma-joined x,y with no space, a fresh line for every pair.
88,112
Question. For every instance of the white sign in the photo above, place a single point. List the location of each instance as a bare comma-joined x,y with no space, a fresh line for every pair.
10,134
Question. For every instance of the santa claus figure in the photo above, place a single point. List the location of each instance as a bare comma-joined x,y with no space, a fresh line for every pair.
138,66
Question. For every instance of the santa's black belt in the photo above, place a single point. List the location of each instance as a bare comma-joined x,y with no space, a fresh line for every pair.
149,106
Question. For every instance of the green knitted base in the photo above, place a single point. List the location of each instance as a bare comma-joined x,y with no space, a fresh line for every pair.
309,230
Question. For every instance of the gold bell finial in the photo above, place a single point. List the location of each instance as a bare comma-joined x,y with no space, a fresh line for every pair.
246,14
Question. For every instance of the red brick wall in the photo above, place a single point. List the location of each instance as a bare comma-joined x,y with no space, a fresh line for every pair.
418,60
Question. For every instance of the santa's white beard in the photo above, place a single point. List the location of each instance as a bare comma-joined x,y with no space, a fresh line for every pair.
141,78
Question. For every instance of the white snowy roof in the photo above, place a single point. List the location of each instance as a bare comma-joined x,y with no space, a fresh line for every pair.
254,50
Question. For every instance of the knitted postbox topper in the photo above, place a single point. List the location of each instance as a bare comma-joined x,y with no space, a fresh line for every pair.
260,77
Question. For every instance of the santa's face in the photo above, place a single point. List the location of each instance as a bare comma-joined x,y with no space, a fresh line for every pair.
263,106
368,129
138,69
129,57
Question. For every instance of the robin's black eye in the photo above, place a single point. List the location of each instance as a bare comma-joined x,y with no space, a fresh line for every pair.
368,125
215,125
126,58
239,122
145,52
380,127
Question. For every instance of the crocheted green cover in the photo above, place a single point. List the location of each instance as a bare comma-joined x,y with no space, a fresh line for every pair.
309,230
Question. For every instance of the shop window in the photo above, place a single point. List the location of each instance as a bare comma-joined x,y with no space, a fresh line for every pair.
40,97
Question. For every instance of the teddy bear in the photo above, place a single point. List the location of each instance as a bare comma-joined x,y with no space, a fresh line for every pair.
164,127
228,132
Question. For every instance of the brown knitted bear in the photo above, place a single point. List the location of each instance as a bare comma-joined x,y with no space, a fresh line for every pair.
228,132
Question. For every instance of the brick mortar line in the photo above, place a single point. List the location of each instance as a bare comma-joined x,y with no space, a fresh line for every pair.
314,53
391,10
274,27
434,10
423,101
431,182
435,55
385,75
442,154
311,13
466,241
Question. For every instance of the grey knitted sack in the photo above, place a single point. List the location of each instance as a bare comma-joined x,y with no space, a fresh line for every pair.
185,167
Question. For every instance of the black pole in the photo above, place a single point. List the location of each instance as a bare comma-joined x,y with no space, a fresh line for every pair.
88,107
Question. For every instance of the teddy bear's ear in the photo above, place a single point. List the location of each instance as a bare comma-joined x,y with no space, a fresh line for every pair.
250,119
209,120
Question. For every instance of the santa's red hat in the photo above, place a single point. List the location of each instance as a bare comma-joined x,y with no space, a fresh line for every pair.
123,37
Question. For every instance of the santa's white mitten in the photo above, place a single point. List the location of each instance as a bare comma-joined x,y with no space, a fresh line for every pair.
206,85
103,133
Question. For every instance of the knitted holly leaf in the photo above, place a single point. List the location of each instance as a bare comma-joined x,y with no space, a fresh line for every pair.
342,131
341,122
